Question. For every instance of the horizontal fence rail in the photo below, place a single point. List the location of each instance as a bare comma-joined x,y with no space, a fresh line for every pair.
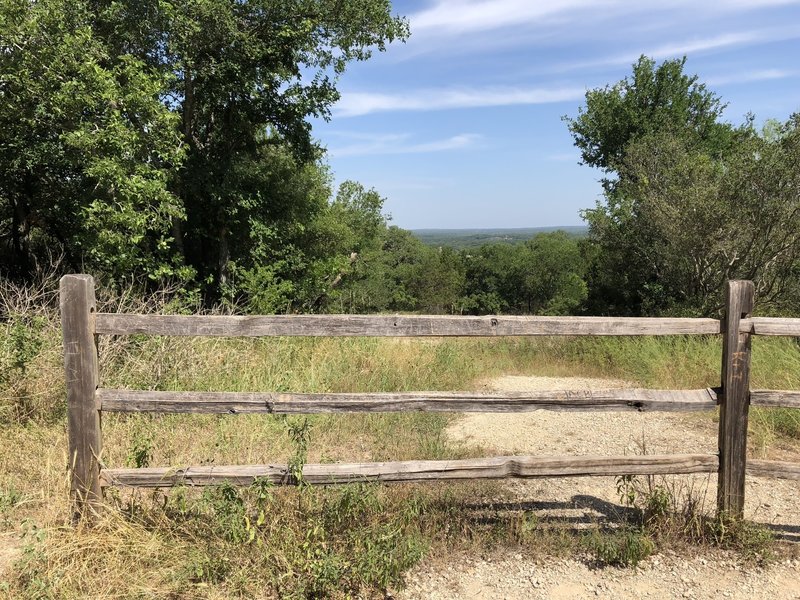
396,326
427,325
774,326
87,400
773,468
775,398
640,400
498,467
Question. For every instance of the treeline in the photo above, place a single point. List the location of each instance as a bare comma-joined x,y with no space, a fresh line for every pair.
162,142
397,272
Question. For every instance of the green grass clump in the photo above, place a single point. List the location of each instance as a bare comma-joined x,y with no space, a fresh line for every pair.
624,548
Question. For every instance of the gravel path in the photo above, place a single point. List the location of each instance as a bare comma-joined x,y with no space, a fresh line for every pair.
665,576
513,576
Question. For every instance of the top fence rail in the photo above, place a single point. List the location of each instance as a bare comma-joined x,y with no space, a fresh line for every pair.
425,326
396,326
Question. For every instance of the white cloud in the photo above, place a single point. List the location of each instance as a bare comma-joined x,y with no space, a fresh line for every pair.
453,27
361,103
465,16
462,16
683,48
748,76
401,144
704,44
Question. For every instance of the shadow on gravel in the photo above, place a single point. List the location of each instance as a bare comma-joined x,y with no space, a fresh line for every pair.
784,533
581,511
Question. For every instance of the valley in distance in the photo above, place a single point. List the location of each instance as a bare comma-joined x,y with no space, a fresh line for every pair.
472,238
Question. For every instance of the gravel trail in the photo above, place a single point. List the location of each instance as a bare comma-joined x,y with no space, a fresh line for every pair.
513,576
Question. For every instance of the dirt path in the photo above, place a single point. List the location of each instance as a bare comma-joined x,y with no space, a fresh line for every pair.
769,501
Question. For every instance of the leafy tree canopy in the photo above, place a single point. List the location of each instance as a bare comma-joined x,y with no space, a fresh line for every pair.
695,201
654,98
146,137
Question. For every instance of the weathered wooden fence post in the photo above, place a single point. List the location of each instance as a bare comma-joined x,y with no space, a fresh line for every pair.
735,399
80,364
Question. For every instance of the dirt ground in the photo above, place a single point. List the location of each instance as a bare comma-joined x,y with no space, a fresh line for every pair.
9,552
773,502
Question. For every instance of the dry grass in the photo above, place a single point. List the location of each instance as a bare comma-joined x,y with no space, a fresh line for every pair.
294,543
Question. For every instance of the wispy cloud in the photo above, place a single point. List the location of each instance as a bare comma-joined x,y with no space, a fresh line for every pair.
465,16
453,27
401,144
748,76
361,103
683,48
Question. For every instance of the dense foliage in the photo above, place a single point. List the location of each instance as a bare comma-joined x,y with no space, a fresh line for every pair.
171,139
690,201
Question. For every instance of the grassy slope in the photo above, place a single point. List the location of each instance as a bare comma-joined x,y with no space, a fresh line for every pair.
311,542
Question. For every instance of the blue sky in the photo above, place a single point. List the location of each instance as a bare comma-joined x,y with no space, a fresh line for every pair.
461,125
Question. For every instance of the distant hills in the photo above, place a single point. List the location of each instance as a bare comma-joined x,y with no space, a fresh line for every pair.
471,238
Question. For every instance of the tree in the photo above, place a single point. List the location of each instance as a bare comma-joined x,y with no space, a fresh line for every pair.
550,275
653,99
694,201
545,275
242,69
87,147
701,221
350,235
489,285
436,281
147,136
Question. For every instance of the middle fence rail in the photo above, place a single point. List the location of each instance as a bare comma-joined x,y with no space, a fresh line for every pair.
87,400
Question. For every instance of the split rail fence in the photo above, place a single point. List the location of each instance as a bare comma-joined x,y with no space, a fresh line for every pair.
87,400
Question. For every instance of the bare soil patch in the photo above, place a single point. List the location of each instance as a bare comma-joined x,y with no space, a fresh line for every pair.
10,551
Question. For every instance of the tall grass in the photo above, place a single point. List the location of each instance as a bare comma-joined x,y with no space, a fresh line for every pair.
305,542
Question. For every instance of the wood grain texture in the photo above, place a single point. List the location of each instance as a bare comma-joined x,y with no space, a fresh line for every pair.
775,398
396,326
640,400
773,468
775,326
77,303
735,398
500,467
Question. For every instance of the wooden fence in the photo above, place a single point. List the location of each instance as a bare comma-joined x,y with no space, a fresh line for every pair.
87,400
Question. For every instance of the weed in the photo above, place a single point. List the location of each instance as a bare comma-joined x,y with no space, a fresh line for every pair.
626,489
624,548
10,497
299,431
751,540
228,511
141,450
